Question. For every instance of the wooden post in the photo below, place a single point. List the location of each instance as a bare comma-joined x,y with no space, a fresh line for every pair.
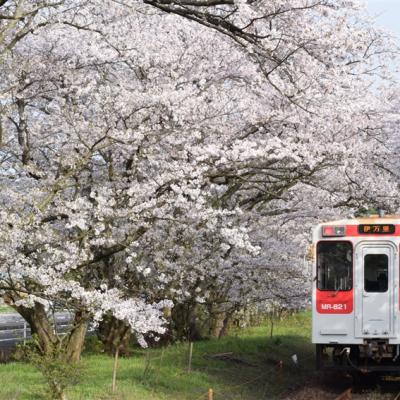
190,356
25,332
114,378
210,394
280,371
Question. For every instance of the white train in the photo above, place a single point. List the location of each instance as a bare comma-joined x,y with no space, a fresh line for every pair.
356,295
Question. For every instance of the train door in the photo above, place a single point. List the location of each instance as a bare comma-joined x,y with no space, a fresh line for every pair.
375,289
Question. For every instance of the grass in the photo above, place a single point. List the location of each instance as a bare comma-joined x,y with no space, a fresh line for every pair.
6,309
161,374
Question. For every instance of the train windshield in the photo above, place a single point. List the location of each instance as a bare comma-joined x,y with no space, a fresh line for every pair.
334,266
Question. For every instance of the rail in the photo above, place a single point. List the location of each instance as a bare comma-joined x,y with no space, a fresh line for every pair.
348,395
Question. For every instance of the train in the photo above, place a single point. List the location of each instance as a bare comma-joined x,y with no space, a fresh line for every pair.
356,294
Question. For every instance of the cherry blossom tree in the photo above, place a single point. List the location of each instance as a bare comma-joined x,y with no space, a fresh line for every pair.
95,151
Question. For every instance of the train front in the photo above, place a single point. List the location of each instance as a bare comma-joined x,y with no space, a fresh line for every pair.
356,303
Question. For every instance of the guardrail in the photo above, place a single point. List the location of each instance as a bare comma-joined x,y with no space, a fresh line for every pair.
14,329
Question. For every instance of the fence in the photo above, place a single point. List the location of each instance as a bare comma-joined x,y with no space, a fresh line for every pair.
14,329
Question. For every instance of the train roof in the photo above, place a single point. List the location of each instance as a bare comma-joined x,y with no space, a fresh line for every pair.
371,219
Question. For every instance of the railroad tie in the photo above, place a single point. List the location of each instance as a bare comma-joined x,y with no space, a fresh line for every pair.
346,395
397,396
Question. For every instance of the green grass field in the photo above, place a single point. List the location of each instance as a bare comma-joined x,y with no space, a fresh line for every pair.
251,373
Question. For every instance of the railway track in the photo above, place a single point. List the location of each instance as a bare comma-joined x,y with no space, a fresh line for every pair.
348,395
371,387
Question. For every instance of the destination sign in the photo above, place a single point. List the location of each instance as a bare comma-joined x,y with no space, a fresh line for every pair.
376,229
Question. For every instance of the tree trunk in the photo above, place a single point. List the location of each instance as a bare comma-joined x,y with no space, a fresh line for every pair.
70,345
76,338
58,391
115,333
225,325
40,326
217,324
54,352
271,321
179,325
186,321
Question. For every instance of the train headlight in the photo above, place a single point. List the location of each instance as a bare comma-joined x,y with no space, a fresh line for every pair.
333,231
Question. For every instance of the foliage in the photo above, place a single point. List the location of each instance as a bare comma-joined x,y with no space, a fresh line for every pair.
93,345
59,373
23,351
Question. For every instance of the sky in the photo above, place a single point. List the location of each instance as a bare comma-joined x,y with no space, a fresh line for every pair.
387,13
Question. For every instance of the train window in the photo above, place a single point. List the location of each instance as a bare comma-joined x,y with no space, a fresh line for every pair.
376,273
334,265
